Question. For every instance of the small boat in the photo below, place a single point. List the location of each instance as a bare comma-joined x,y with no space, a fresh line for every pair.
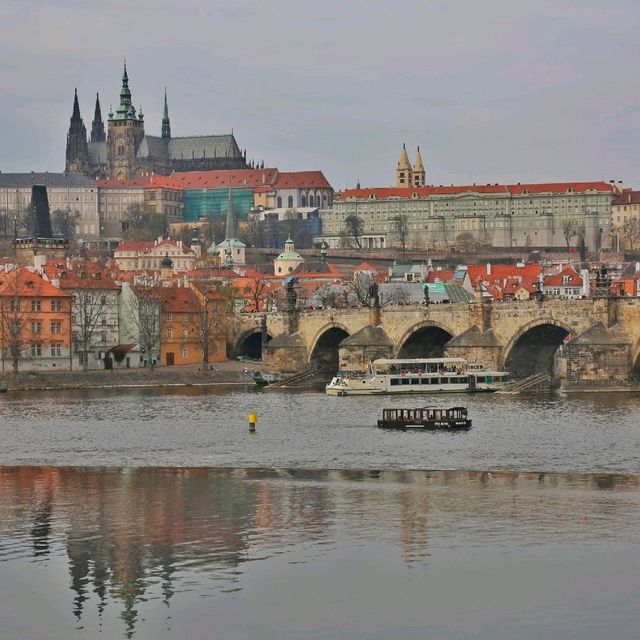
454,418
264,379
3,389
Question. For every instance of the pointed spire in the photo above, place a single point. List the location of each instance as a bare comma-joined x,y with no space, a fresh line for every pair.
126,109
419,173
166,125
230,231
404,159
97,126
76,106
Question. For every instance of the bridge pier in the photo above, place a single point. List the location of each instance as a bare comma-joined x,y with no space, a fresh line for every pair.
475,346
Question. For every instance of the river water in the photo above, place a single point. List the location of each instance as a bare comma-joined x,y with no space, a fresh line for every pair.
156,514
204,427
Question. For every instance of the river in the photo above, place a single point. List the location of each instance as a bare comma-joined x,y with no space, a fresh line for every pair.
208,427
156,514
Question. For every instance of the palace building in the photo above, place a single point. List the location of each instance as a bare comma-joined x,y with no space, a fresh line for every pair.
126,151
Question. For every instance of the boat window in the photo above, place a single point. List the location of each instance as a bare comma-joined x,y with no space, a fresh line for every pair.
481,379
464,380
406,381
395,381
415,380
444,380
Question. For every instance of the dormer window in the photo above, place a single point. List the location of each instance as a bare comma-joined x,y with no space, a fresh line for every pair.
566,280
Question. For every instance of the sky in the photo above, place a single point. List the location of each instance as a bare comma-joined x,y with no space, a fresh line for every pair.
494,91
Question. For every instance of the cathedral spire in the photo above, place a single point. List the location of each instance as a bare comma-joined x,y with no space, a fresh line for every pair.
125,92
97,126
404,172
419,173
166,125
75,116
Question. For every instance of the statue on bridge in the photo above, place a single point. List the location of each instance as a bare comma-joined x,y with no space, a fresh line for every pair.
374,295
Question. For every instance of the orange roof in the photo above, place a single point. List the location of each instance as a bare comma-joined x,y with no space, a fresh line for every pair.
179,300
29,285
69,274
301,180
442,276
501,272
627,197
146,182
512,189
365,266
555,280
224,178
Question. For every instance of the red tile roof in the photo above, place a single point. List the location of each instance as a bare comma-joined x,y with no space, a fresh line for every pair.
68,274
189,180
28,285
627,197
441,276
179,300
513,189
502,272
146,182
301,180
555,280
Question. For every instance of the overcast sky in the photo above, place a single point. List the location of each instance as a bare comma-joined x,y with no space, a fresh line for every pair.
493,91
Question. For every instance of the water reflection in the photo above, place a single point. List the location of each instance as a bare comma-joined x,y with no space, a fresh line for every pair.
131,537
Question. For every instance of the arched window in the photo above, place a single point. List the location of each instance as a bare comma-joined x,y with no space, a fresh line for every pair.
279,203
311,200
303,201
290,202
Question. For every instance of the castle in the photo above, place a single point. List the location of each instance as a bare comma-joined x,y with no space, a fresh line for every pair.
127,152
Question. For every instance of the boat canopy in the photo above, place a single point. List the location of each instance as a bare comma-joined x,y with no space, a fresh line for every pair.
397,361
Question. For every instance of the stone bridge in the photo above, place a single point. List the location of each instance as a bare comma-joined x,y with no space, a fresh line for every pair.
584,341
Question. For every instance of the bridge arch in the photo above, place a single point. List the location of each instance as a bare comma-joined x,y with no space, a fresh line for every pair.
250,343
424,340
533,347
635,361
323,349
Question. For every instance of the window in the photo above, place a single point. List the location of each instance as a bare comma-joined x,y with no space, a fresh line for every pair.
185,332
290,202
36,305
36,349
103,299
279,202
169,317
56,305
103,321
103,336
169,332
36,327
15,305
185,353
56,349
56,327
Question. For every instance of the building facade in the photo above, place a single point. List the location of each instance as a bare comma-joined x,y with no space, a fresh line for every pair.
127,152
625,221
444,218
72,197
141,255
35,323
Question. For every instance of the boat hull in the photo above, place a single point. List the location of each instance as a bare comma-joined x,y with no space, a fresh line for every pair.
441,425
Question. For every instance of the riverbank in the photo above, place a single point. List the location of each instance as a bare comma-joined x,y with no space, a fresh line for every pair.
224,373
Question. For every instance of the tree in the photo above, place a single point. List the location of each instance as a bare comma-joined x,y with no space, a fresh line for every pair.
466,242
143,223
569,230
360,286
401,227
145,315
89,306
345,241
354,226
396,294
631,232
258,287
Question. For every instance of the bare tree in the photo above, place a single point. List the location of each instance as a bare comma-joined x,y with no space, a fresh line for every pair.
89,306
401,227
328,296
258,287
396,294
569,230
354,226
145,315
466,241
143,223
631,233
360,286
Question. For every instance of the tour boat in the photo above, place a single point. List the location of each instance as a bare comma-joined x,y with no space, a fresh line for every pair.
417,375
454,418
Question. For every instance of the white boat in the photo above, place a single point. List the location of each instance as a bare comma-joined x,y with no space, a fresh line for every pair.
417,375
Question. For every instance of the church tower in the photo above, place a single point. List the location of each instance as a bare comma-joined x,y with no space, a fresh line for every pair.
166,125
126,130
419,173
77,156
404,173
97,126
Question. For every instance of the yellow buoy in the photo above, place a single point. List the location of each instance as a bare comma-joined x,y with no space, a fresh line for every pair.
253,419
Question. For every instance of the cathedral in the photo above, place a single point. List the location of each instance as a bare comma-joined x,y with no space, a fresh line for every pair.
126,152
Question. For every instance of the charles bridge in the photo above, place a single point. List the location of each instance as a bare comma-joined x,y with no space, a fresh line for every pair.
583,341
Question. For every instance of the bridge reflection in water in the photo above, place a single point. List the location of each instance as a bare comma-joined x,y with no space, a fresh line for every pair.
290,553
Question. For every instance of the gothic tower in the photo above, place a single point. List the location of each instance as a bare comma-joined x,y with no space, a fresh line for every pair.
404,177
419,173
125,132
77,157
166,125
97,126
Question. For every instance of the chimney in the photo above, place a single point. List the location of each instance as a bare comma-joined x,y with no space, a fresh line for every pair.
488,268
